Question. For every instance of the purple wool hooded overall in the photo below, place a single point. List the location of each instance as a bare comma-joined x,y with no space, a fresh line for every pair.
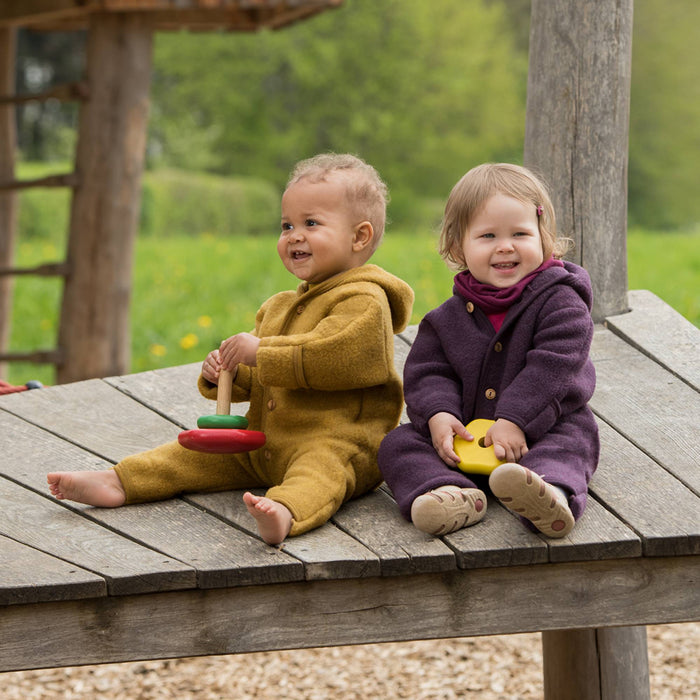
534,371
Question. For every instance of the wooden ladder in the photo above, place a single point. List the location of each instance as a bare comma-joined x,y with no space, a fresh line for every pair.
8,186
94,336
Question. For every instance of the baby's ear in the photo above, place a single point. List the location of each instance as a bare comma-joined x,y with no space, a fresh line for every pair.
364,235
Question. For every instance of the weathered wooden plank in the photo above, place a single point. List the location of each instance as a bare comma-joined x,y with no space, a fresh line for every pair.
658,507
402,346
660,332
375,521
127,567
172,392
409,334
29,453
30,576
499,600
597,535
94,415
325,553
498,540
222,555
647,404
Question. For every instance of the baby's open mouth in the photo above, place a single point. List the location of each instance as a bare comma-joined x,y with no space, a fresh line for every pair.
300,255
505,266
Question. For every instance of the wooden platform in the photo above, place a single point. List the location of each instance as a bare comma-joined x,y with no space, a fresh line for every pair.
185,577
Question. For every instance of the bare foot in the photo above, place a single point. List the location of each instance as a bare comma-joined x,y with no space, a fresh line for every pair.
103,489
274,520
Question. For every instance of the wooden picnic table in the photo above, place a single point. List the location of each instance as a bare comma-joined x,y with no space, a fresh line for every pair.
189,576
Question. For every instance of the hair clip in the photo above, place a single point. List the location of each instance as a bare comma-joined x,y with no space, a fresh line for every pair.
540,210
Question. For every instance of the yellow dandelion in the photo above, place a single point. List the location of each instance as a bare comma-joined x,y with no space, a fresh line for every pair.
189,341
204,321
157,350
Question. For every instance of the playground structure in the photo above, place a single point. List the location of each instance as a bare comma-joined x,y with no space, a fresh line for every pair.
94,337
590,596
576,135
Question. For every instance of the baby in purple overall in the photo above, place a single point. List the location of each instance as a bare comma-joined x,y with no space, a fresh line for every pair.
511,345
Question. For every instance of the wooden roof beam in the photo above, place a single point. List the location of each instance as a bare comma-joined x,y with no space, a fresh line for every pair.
23,12
164,15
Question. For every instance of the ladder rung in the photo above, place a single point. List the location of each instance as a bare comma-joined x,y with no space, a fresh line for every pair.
44,270
40,357
65,180
65,93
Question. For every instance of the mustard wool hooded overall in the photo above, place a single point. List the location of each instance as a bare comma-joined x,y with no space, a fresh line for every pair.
325,392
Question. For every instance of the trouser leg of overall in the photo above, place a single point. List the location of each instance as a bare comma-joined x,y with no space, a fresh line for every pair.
566,457
313,487
171,469
411,467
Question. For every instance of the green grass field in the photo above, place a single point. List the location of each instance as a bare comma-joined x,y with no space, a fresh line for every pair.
191,292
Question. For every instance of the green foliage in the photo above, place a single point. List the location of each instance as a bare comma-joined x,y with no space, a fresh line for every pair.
176,202
43,212
422,91
664,134
668,264
172,203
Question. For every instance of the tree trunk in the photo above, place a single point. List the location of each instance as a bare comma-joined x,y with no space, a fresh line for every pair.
94,335
576,131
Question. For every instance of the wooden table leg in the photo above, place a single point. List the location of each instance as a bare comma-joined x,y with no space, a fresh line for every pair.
596,664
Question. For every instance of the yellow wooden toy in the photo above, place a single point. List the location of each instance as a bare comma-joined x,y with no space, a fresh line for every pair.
474,457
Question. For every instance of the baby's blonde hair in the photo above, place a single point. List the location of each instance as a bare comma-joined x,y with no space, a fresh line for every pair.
367,193
482,182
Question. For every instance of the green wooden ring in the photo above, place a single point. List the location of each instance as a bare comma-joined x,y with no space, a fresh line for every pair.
237,422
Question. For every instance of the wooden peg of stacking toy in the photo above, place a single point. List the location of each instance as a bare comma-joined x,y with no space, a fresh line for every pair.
222,433
474,457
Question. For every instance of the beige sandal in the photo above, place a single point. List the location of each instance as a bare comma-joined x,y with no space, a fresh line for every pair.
448,508
527,494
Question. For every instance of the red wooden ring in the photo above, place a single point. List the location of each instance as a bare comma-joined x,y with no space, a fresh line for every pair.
221,441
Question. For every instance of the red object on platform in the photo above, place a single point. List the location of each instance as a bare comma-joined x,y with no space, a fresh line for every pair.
221,440
6,388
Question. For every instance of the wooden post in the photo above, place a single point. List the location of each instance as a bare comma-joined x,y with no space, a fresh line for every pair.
576,131
596,664
8,200
94,335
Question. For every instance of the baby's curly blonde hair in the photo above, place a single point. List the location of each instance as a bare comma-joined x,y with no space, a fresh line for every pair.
482,182
367,193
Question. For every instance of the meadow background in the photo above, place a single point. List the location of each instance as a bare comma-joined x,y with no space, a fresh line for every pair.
423,91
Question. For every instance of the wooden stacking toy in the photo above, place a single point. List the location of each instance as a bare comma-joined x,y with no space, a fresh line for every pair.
475,457
222,433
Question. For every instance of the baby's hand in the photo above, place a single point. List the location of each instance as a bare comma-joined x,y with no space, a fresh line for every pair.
508,440
240,348
211,367
443,428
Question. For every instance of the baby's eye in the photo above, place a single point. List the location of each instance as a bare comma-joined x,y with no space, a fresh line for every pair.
286,226
311,222
487,235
